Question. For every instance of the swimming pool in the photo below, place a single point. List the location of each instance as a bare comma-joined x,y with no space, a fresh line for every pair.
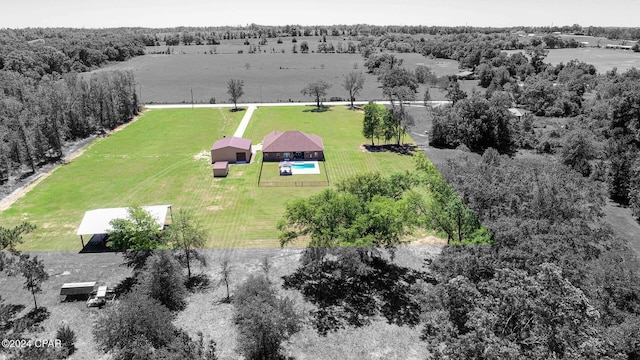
303,165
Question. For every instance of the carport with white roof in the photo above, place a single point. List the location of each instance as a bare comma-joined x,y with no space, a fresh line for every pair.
98,222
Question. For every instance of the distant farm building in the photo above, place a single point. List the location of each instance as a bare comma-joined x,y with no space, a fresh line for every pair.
36,42
617,46
517,112
464,75
232,150
293,145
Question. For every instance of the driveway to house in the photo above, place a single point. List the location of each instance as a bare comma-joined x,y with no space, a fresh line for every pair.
245,121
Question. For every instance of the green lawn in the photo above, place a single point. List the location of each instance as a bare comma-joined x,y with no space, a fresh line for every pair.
163,158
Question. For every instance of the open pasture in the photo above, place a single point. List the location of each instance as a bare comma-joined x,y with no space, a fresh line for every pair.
603,59
268,77
163,158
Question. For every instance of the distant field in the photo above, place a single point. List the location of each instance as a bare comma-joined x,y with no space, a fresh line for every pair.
268,77
603,59
163,158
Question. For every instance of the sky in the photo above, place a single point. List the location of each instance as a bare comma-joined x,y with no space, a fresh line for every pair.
172,13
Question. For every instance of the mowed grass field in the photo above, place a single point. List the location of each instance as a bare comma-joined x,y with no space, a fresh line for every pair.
163,158
268,77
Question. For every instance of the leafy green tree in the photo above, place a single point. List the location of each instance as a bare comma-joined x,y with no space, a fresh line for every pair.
427,97
454,93
390,126
353,82
540,96
621,156
372,120
423,74
500,317
134,326
136,236
365,210
317,90
398,84
537,55
235,91
9,238
304,47
264,320
477,123
186,235
577,151
380,63
163,281
34,275
68,338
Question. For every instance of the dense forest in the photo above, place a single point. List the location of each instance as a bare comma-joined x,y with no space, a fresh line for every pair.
45,103
601,113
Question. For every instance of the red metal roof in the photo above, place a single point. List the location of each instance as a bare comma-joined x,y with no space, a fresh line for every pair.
234,142
291,141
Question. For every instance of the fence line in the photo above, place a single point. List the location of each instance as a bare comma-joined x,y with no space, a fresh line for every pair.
293,183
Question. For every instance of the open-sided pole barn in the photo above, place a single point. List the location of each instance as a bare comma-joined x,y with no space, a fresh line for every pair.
98,222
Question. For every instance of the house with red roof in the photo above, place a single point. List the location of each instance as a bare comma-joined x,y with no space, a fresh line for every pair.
292,145
232,150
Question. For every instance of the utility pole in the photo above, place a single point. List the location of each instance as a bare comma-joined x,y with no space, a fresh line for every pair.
192,99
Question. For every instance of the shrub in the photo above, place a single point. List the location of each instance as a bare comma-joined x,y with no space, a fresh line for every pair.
164,282
264,320
68,339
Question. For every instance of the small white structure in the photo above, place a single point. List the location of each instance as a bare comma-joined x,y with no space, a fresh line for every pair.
98,221
75,289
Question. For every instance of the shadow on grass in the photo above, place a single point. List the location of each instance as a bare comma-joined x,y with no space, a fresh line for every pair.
198,283
364,285
9,311
238,109
125,286
31,321
320,109
407,149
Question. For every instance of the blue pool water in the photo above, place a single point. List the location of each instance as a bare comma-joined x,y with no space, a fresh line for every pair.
303,166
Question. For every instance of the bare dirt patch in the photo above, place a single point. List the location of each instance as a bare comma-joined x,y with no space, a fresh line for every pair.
202,155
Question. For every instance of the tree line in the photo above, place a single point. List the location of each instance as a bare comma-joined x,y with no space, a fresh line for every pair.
44,103
390,37
38,118
599,139
39,51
